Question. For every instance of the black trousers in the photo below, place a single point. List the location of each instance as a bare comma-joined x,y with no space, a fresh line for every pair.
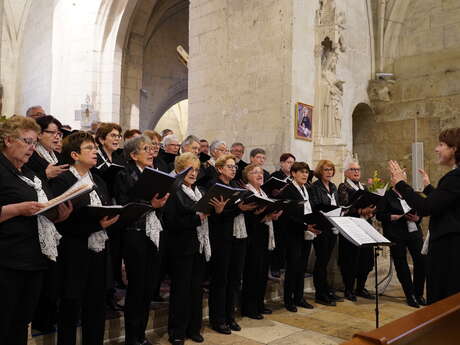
399,253
443,273
90,308
278,255
297,253
227,262
255,278
324,245
355,264
162,263
186,298
141,264
115,244
45,315
20,291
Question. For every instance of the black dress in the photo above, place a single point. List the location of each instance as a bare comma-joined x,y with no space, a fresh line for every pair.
297,248
82,272
277,256
403,239
187,266
22,264
226,265
255,273
355,262
443,205
141,258
324,243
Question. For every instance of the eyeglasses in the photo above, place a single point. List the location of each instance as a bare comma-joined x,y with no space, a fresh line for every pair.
222,150
256,173
156,144
328,169
232,166
53,133
115,136
28,141
175,145
89,148
355,169
148,148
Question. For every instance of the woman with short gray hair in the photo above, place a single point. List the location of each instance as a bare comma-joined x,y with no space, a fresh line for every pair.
141,240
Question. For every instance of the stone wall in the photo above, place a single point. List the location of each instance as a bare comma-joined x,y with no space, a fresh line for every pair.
426,89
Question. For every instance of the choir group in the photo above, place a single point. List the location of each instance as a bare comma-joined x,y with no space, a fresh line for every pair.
61,267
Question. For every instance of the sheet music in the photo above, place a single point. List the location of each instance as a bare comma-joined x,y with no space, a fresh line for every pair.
358,230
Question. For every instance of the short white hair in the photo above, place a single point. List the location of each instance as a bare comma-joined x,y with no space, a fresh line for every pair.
215,144
190,140
169,138
349,161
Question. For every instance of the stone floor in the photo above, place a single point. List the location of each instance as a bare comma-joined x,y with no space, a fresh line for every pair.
322,325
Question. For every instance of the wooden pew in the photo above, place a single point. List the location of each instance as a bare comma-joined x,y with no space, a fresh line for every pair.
437,324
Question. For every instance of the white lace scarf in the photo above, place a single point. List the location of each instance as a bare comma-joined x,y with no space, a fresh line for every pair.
50,157
96,241
203,229
271,234
47,233
353,185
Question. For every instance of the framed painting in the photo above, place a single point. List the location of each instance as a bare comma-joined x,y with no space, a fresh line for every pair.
303,121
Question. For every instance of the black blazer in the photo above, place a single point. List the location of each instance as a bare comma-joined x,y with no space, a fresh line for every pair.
181,222
279,175
394,230
74,255
19,243
442,204
293,217
239,172
320,194
221,225
345,193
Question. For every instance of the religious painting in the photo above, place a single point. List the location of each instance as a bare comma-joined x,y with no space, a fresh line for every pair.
303,121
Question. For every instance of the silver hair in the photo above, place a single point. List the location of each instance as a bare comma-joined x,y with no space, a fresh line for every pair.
238,144
167,139
348,162
32,108
189,140
215,144
132,145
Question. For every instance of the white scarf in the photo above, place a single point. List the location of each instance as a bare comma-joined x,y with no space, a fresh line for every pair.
96,241
47,233
411,226
50,157
203,229
212,162
353,185
271,234
105,160
308,235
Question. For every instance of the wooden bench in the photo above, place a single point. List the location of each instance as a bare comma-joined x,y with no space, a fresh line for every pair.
437,324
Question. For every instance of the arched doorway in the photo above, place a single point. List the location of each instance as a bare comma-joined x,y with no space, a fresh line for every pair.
176,119
153,79
367,143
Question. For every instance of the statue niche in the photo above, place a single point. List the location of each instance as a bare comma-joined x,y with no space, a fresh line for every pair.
330,26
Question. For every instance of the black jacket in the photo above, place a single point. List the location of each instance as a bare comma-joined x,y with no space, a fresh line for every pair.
19,243
239,172
394,230
320,195
442,204
293,217
279,174
74,258
345,193
181,221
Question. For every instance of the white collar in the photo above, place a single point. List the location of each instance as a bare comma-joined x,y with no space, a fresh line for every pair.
302,190
353,185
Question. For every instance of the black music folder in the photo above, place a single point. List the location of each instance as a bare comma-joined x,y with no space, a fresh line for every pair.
129,213
272,185
217,191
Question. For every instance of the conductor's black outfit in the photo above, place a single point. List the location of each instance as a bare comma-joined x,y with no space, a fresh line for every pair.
141,258
22,264
297,248
324,243
82,271
355,262
443,205
404,238
226,265
187,266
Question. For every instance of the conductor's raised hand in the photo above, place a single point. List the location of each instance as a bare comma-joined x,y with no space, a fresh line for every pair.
397,173
218,204
312,228
247,207
157,202
425,177
106,221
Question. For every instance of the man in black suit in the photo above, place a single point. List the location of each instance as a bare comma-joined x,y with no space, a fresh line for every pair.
237,150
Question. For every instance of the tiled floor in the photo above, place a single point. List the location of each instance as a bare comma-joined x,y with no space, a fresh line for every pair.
322,325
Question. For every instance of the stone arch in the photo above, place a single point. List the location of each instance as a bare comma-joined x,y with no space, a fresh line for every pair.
366,141
152,78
